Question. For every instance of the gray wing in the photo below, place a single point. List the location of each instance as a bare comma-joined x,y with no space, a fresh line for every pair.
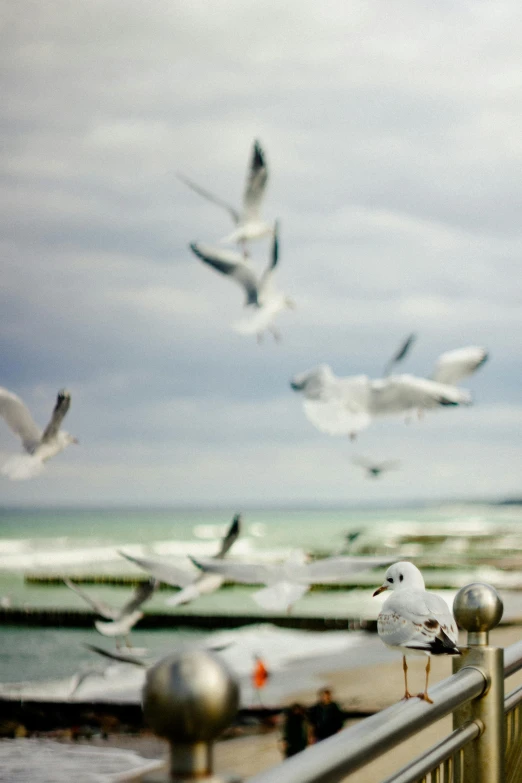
165,572
114,656
419,621
245,573
231,537
17,417
333,570
234,214
100,607
142,593
255,185
453,366
63,403
232,265
274,258
400,393
401,354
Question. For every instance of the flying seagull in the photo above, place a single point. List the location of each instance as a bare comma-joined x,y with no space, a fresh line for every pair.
119,621
40,446
248,222
415,621
345,406
375,469
193,584
401,353
261,298
287,582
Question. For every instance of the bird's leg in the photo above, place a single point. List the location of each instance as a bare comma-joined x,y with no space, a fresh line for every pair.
276,333
407,694
424,696
246,255
420,414
128,642
353,436
259,338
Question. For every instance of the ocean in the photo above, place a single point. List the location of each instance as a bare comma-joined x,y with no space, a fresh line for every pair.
71,541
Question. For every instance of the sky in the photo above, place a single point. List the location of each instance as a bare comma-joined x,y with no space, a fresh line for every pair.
392,136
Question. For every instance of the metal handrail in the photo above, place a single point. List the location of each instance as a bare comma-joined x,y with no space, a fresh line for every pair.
512,659
422,765
335,757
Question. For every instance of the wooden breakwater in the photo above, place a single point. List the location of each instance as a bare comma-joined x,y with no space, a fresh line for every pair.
97,717
72,618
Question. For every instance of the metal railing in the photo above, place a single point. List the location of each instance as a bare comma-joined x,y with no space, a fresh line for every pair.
484,747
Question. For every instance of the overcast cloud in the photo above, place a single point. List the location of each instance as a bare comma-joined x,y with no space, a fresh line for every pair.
392,133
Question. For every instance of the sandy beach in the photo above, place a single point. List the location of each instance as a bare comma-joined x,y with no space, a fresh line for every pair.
370,688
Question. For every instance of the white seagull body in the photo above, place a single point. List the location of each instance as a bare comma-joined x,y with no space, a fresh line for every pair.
453,366
249,224
40,446
193,584
285,583
414,620
345,406
262,299
120,621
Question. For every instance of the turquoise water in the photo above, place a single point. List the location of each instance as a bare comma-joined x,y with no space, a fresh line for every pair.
68,540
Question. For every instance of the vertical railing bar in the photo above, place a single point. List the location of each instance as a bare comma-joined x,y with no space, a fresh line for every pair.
425,763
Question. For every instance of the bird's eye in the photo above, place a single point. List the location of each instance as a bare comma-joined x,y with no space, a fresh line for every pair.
390,580
401,577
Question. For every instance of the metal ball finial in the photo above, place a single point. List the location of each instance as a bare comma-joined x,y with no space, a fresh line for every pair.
190,697
478,608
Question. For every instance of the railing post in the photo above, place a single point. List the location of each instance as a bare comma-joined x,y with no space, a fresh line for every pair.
189,698
478,609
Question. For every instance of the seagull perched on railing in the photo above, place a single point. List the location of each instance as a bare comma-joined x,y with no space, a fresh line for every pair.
249,224
262,299
415,621
345,406
40,446
120,621
193,584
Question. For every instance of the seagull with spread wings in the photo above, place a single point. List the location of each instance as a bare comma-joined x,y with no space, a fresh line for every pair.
263,301
375,469
39,446
119,621
345,406
193,584
248,222
285,583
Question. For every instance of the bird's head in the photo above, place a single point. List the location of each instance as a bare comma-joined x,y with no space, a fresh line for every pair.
401,575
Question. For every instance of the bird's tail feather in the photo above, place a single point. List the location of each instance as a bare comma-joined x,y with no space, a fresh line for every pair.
21,467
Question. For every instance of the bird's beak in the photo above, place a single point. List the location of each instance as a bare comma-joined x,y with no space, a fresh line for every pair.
76,441
380,590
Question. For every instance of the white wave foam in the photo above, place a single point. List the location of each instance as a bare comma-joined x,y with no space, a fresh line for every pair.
45,761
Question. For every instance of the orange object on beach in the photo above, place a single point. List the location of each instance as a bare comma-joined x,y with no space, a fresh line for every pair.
260,674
